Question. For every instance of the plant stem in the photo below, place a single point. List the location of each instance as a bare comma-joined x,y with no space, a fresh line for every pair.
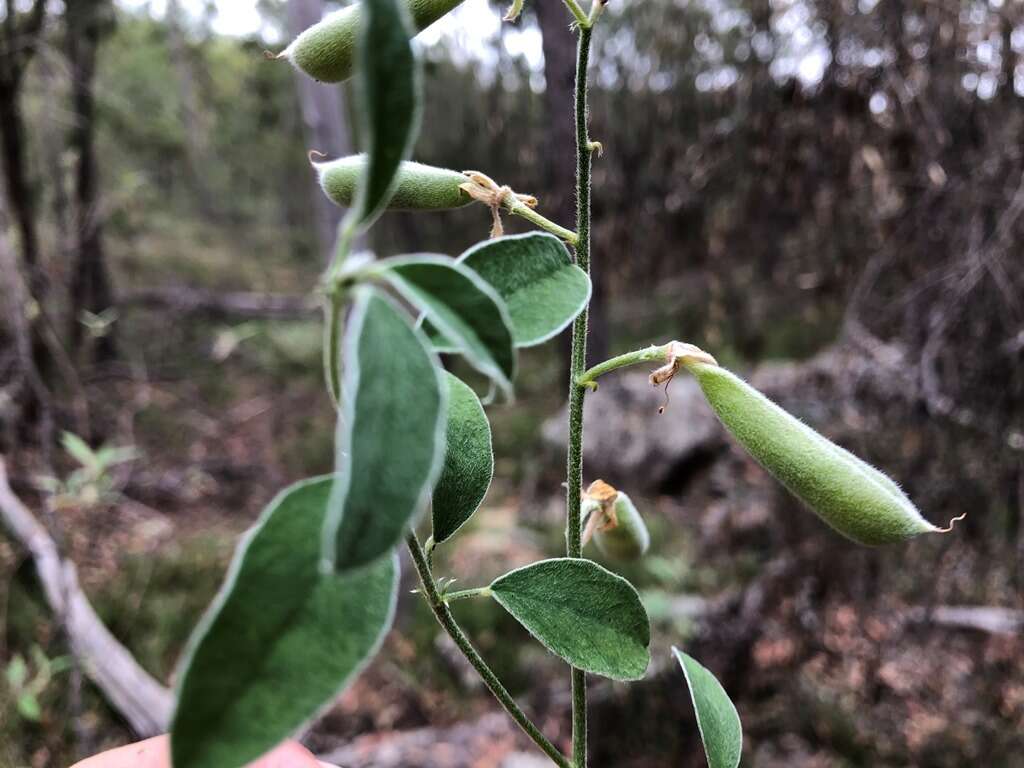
652,354
447,621
518,208
577,12
463,594
578,361
332,345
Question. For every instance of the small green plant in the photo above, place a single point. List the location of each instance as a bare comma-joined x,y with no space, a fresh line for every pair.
313,586
26,683
91,483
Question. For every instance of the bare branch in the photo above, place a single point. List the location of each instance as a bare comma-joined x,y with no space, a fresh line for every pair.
133,692
186,300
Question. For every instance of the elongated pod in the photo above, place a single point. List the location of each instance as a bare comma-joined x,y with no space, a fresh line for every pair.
326,50
853,497
419,187
625,536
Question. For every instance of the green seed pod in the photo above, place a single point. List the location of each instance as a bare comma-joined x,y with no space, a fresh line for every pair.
418,187
625,537
326,51
850,495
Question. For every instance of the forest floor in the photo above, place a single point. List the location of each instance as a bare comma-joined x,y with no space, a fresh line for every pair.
830,664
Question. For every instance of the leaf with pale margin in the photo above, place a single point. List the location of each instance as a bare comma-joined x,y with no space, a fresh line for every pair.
281,640
390,436
535,276
468,461
388,83
585,614
462,305
717,719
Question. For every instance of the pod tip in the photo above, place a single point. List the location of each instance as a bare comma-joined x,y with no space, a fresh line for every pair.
314,155
952,523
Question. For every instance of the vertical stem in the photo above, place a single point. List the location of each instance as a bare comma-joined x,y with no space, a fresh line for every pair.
574,479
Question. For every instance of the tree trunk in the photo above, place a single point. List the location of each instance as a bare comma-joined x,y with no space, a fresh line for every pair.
323,116
192,119
20,35
91,288
559,198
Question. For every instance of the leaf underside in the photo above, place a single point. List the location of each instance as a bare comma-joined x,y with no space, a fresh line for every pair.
282,638
463,306
468,461
390,437
535,276
581,612
388,83
717,719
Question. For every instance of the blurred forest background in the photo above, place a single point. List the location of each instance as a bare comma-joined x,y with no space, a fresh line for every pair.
826,194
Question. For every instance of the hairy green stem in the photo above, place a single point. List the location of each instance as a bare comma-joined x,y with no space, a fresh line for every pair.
447,621
334,306
652,354
518,208
463,594
577,12
578,361
332,345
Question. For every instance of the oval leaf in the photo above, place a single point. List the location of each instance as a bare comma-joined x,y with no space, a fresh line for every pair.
464,307
390,438
581,612
535,276
468,461
388,84
717,719
281,640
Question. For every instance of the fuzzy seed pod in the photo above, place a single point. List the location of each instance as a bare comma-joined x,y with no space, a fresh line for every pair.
419,187
625,537
326,50
850,495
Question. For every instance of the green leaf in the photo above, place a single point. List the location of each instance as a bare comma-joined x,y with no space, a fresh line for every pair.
17,671
719,724
388,85
78,449
581,612
28,707
282,639
535,276
390,439
463,306
468,461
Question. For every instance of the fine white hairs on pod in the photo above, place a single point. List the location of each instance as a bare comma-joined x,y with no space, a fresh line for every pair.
857,500
418,187
326,50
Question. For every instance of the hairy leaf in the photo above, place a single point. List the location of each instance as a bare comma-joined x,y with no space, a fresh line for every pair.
468,461
390,438
581,612
281,639
533,273
388,83
719,724
463,306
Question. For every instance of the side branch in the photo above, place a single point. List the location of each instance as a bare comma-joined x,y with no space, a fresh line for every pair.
132,691
447,621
